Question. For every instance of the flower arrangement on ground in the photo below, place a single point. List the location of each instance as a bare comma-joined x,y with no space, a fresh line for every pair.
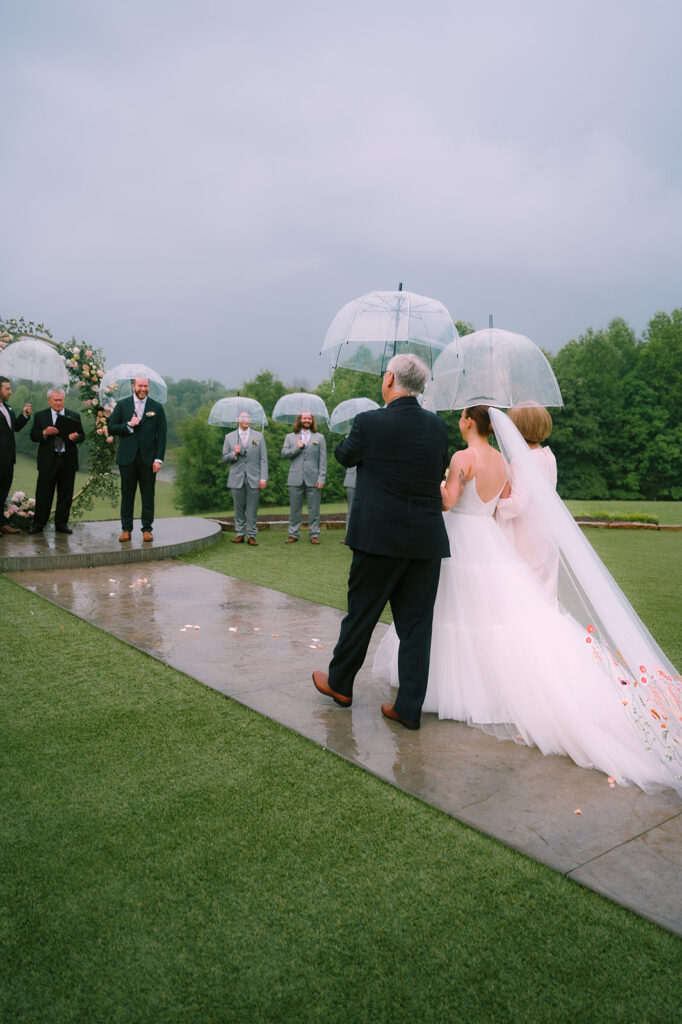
19,511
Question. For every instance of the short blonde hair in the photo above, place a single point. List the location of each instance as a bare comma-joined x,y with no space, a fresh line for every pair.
533,422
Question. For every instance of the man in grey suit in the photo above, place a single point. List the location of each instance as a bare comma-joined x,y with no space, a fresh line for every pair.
245,450
307,449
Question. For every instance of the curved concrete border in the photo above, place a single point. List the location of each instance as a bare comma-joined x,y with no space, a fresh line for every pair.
93,544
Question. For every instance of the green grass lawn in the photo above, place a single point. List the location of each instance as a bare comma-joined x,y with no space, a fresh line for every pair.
168,855
669,512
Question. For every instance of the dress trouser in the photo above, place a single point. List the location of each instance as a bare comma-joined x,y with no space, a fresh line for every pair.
410,586
131,476
313,497
57,475
6,476
245,500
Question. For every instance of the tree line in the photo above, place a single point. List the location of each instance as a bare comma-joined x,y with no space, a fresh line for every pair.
618,436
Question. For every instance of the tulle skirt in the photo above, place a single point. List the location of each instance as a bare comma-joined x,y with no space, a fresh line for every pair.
505,659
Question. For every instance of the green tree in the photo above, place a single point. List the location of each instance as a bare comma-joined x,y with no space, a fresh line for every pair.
201,475
185,398
654,425
587,439
265,388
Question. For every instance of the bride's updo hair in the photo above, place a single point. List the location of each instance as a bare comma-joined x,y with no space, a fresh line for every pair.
479,414
533,422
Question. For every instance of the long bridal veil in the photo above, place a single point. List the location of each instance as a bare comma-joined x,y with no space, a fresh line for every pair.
648,684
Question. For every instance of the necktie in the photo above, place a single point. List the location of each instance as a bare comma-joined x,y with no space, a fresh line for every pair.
59,445
6,414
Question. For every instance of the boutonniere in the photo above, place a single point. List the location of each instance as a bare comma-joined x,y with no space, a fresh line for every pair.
150,414
254,441
316,442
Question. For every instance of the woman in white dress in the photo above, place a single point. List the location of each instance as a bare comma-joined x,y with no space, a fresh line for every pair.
505,659
516,514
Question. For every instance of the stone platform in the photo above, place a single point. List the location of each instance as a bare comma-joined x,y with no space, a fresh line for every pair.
93,544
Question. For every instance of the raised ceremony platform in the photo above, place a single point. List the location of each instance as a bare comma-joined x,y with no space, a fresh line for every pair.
93,544
259,647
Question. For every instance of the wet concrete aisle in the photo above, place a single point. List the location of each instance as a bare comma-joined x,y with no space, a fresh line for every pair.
260,647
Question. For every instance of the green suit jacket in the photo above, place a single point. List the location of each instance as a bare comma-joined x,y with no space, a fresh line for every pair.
148,438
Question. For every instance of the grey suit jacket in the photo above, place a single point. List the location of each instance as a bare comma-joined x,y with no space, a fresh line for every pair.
251,465
309,464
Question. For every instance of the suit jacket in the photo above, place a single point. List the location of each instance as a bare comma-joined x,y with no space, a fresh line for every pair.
401,453
148,437
309,464
251,465
8,447
46,452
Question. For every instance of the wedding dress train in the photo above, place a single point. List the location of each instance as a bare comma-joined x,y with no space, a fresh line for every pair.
507,660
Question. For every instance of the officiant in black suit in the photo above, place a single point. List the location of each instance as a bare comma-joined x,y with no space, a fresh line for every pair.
140,424
58,432
397,535
9,424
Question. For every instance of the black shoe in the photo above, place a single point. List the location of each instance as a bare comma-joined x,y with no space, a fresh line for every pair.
63,529
35,529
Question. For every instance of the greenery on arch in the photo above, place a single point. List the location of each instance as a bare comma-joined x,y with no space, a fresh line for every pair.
85,366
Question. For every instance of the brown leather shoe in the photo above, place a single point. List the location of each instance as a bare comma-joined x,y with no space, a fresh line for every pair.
252,542
6,528
314,540
147,535
321,681
388,711
125,536
238,540
291,540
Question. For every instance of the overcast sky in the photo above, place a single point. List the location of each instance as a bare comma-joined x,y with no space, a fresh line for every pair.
201,185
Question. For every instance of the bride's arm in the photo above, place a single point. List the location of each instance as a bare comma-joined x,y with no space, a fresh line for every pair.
458,474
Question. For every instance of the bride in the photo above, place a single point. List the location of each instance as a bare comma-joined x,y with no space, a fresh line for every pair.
585,679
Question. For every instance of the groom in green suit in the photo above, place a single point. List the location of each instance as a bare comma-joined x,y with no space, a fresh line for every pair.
140,424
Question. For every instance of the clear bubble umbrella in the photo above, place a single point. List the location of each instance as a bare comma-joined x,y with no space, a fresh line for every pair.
117,383
289,407
34,360
345,412
226,412
492,367
369,331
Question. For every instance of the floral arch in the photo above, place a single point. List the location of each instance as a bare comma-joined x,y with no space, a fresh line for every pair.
85,367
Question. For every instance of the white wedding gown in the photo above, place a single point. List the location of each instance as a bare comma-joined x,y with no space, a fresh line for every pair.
505,659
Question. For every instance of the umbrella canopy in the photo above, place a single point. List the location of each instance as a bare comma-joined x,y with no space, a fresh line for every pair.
369,331
492,367
32,359
289,407
345,412
226,412
117,383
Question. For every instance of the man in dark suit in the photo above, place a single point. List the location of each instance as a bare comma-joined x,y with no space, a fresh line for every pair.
9,423
397,535
140,424
57,462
